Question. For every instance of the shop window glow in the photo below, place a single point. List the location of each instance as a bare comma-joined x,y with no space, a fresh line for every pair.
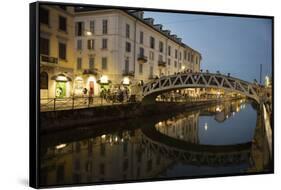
126,81
104,79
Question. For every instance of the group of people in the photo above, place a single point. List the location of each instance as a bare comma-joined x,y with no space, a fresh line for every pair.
109,95
115,95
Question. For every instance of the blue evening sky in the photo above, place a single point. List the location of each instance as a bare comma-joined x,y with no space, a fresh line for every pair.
235,45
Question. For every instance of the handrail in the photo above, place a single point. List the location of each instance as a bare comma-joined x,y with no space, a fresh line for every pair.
79,102
268,131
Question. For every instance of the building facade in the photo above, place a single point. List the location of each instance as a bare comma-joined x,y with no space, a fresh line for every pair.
56,47
109,49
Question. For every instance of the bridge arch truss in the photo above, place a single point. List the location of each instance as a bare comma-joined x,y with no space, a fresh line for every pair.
198,80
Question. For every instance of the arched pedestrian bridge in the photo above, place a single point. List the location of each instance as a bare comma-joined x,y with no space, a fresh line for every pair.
164,84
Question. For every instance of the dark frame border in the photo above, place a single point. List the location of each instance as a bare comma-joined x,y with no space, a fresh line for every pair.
34,93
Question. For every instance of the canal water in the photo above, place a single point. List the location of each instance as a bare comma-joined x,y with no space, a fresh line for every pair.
210,140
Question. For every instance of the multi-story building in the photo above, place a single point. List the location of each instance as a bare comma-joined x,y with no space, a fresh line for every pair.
105,49
56,47
126,49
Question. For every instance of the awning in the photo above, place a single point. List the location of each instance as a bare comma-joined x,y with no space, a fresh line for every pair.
62,77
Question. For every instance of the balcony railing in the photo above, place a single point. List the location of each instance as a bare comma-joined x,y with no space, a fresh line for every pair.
161,63
48,59
90,71
128,73
142,58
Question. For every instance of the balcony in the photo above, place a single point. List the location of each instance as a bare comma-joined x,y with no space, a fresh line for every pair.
128,73
161,63
142,58
48,59
90,71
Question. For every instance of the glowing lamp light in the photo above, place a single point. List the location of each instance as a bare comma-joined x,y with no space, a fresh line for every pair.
266,81
88,33
60,146
104,79
126,81
183,67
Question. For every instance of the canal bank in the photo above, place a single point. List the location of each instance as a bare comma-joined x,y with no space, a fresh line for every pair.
65,119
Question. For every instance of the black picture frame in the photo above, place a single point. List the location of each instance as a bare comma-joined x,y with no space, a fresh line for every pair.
34,106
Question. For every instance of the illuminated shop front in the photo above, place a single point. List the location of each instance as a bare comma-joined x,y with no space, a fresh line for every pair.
62,85
104,83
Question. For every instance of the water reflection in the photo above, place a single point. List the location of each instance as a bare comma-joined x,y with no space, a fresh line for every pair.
216,125
203,141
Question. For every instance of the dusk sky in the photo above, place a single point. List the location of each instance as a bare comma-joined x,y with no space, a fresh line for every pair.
235,45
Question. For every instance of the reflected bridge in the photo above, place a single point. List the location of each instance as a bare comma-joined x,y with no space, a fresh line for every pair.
196,154
164,84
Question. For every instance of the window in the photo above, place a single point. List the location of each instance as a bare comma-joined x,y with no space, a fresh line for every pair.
169,50
60,173
141,37
128,47
102,169
104,63
160,58
152,42
79,44
44,80
151,71
188,56
125,164
197,60
79,63
62,50
180,55
62,23
184,55
63,7
79,28
127,31
180,65
141,51
161,47
102,149
192,58
169,61
91,44
151,55
44,46
92,26
175,64
176,53
127,65
104,27
91,62
140,68
104,43
44,16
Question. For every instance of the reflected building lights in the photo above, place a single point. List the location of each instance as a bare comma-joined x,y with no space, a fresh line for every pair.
60,146
206,126
218,109
103,136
